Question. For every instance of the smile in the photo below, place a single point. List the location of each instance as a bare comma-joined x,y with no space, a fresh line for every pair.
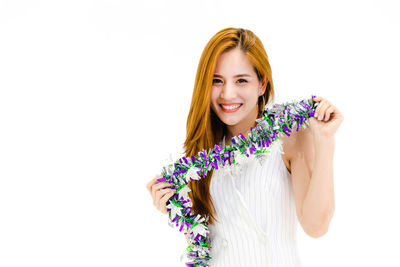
230,108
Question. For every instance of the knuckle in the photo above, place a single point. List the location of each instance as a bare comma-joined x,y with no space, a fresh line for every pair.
159,193
153,190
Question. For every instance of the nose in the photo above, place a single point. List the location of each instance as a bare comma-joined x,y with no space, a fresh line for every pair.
228,91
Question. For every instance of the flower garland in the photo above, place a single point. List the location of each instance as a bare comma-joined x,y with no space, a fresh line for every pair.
279,118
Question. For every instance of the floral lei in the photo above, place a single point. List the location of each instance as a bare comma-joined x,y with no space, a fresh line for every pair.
279,118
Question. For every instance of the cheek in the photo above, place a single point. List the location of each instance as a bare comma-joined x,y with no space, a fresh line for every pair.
248,96
251,99
214,94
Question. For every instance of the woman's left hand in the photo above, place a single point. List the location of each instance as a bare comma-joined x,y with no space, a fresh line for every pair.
327,118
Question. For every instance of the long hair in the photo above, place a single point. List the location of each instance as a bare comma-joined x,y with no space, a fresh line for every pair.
203,127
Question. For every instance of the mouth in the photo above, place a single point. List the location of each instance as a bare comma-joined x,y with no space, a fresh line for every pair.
230,108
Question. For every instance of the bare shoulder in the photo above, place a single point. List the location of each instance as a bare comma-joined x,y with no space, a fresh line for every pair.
294,144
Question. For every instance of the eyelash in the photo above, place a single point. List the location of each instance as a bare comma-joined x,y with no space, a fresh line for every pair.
238,80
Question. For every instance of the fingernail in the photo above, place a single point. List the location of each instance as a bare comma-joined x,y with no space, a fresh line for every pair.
316,115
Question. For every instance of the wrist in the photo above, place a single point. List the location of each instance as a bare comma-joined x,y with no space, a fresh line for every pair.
323,138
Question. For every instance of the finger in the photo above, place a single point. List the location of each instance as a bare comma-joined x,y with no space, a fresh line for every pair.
151,183
158,186
160,194
322,114
164,199
328,112
318,98
318,110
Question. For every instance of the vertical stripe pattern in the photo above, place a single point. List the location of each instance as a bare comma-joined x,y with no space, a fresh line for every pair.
256,215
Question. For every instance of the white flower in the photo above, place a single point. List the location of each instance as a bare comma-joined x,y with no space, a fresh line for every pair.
191,174
241,158
199,229
174,210
169,162
183,192
236,168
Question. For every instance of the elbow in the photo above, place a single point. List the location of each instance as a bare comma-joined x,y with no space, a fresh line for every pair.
319,230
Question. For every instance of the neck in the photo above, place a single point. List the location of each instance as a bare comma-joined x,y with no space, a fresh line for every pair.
242,127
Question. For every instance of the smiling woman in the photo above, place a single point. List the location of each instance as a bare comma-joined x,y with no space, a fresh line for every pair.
253,213
230,53
235,92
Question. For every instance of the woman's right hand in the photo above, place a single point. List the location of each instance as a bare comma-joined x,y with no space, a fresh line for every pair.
160,193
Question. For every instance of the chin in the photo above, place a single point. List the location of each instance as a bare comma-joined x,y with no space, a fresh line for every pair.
231,122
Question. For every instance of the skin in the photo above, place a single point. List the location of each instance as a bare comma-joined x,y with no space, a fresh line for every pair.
308,153
309,156
229,89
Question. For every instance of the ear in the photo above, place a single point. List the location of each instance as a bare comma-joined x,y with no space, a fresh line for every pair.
263,87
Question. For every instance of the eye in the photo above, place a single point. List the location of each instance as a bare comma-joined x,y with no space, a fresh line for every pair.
242,80
216,80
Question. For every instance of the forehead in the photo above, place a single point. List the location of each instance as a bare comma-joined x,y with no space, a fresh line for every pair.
232,63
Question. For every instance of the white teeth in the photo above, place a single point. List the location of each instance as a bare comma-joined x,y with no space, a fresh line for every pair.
230,107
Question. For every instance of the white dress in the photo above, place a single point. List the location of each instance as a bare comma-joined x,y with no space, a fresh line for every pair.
256,212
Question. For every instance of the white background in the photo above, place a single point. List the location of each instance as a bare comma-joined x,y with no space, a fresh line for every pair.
95,94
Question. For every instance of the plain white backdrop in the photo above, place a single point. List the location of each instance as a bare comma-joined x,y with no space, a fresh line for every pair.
95,94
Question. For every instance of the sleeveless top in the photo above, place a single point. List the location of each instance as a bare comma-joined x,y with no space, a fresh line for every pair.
256,213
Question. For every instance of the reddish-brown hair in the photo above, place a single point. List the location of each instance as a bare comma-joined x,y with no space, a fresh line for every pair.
203,128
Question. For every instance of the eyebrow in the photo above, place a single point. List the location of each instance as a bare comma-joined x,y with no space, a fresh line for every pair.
238,75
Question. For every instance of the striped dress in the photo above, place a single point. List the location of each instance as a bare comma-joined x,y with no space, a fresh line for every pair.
256,214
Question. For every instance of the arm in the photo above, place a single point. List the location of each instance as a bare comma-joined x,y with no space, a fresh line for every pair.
311,162
319,203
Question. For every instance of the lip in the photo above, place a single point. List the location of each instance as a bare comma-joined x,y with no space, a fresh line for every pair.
230,110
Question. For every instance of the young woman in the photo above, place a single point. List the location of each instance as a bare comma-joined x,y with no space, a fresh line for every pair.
253,213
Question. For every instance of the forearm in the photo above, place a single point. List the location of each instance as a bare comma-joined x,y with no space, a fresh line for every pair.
318,205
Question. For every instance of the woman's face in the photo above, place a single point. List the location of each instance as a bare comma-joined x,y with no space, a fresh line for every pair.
235,89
